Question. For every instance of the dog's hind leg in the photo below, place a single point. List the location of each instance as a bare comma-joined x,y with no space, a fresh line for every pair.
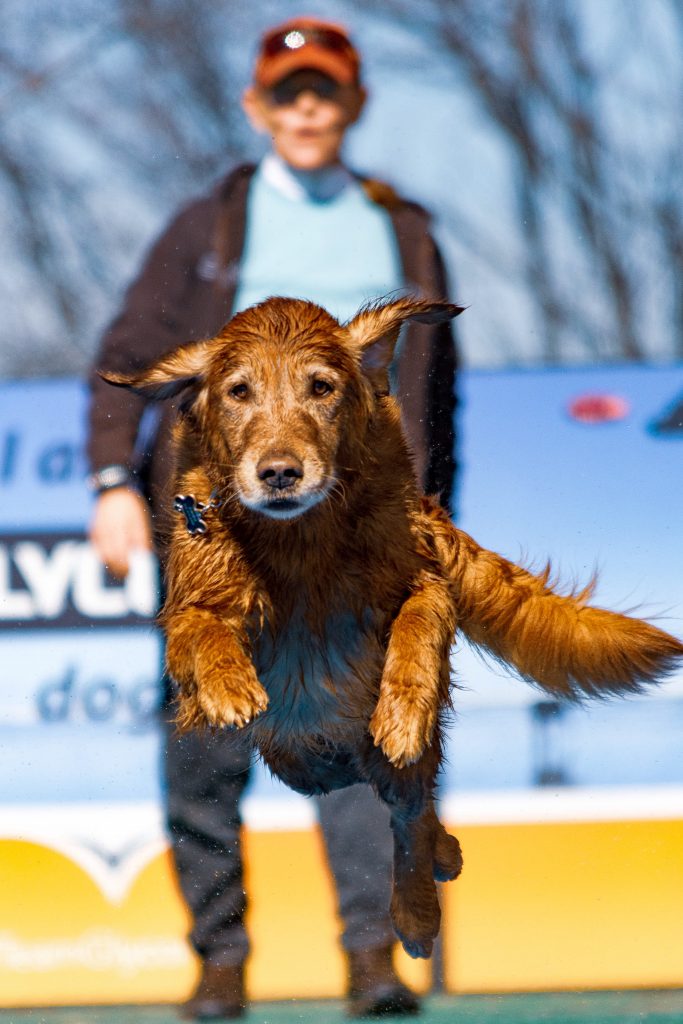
447,862
423,850
415,911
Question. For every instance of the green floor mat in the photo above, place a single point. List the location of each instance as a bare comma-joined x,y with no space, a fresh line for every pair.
562,1008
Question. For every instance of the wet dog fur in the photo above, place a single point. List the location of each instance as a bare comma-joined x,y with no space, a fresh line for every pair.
318,609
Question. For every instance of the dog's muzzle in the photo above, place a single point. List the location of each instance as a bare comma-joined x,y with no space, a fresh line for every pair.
280,475
281,472
281,487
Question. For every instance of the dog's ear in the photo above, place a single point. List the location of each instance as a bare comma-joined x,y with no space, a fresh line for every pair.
184,367
374,331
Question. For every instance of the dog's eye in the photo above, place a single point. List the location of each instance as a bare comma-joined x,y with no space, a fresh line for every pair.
239,391
321,387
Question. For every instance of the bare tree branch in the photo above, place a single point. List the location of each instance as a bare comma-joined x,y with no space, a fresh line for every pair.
125,109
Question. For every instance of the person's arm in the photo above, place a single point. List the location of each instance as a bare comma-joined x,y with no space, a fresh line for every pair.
426,364
442,401
119,526
426,367
153,320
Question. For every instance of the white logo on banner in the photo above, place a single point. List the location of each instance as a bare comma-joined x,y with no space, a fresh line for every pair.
99,949
112,843
72,573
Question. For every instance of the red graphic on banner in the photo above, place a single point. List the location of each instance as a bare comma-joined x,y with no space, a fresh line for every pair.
599,408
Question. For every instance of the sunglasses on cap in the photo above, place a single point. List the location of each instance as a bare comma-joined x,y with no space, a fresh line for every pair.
286,92
293,38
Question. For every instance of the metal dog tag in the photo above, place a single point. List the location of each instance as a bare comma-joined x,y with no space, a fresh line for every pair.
194,511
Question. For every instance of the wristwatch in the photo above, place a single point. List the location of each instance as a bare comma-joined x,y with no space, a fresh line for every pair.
109,477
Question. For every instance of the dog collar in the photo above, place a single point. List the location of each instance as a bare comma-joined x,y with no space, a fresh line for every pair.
194,511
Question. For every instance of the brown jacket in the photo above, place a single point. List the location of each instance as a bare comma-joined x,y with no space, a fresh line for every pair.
185,291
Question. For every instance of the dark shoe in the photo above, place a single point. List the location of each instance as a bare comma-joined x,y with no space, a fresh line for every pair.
219,994
375,989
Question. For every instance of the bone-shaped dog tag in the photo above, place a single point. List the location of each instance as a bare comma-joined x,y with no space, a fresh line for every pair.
193,511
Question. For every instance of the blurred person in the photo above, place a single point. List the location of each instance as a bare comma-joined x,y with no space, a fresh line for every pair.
298,224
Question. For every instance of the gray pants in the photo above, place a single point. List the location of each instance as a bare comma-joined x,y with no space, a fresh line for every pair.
206,775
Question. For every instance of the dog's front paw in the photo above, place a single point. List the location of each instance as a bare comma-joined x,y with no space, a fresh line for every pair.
232,703
401,728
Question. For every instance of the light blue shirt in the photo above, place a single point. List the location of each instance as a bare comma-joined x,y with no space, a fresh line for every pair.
317,237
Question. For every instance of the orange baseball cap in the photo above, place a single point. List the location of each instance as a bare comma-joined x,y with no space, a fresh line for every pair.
306,43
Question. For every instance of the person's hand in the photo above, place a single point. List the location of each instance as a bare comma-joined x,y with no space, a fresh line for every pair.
120,526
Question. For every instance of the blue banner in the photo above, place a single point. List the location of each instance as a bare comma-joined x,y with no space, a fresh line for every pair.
585,466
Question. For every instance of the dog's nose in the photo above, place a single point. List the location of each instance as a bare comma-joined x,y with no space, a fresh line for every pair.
280,472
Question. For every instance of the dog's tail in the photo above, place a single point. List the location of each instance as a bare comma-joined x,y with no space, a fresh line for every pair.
560,642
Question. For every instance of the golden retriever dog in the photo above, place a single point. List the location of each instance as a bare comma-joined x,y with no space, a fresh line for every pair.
313,595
